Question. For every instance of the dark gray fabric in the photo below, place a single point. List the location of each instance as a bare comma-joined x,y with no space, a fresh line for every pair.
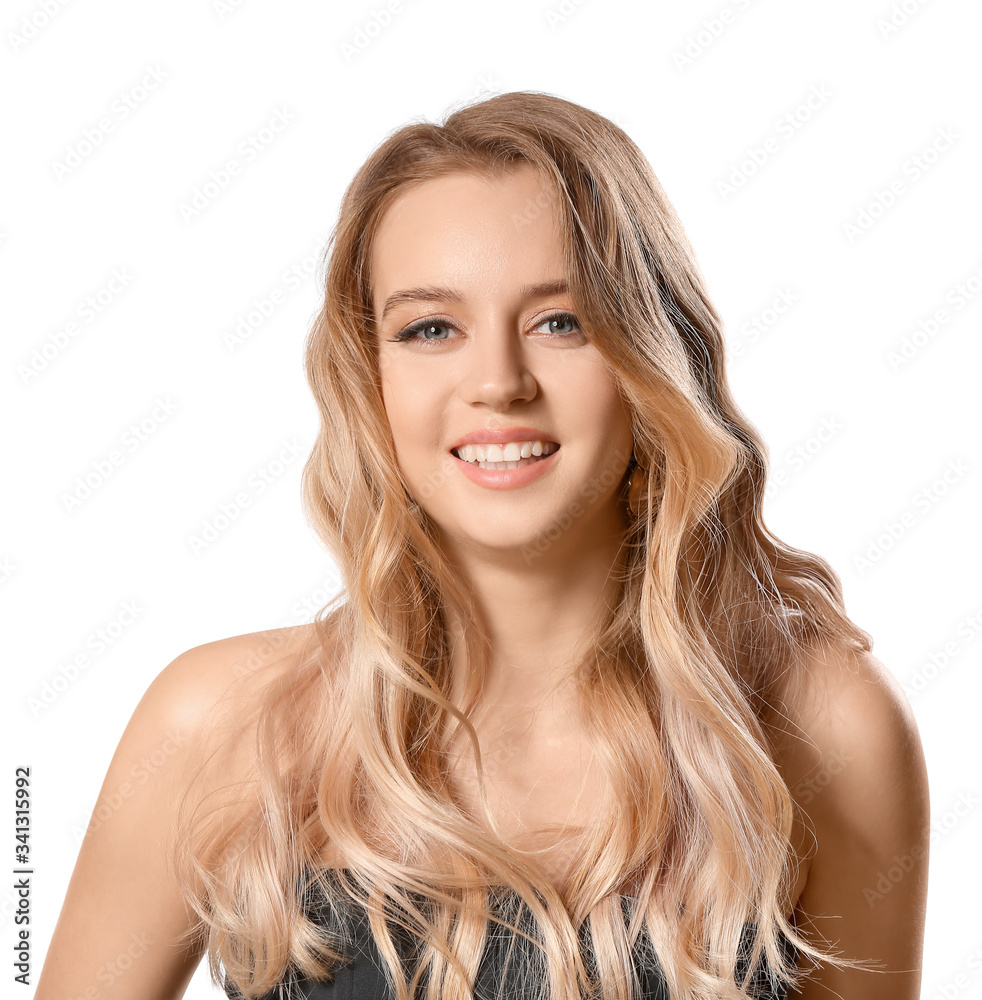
506,957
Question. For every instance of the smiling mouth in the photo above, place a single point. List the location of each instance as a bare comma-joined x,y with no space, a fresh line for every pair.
513,455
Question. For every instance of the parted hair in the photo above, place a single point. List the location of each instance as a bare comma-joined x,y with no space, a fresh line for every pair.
714,614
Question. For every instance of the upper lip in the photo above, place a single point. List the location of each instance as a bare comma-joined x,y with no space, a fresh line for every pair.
502,435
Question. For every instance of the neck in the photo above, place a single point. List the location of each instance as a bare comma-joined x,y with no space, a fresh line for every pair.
541,609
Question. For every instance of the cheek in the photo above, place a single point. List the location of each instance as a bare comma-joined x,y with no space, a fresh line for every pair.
397,398
594,402
412,408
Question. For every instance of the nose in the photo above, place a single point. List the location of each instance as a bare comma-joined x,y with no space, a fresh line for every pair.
496,370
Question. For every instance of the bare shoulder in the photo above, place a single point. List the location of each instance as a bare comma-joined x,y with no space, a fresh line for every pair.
211,692
123,898
852,756
200,678
841,706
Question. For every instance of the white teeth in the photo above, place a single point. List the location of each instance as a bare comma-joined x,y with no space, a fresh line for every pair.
513,454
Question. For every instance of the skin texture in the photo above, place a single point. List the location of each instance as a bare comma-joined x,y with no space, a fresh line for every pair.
845,737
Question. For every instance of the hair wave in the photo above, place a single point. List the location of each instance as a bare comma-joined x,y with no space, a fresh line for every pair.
351,755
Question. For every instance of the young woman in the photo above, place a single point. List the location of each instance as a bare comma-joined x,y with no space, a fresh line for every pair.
579,724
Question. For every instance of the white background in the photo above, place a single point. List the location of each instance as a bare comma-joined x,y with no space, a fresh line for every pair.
860,442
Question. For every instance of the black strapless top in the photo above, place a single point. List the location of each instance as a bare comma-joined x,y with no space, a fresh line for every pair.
364,976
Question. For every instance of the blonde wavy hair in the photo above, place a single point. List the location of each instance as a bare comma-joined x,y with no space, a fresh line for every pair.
352,749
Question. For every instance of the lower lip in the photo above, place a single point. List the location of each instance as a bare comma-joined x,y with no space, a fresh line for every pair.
505,479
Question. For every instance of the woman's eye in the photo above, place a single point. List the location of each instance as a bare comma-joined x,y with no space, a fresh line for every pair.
424,327
559,324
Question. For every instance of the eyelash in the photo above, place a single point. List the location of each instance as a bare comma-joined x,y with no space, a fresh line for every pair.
409,333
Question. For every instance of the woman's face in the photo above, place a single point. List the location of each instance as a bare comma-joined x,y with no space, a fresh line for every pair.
469,270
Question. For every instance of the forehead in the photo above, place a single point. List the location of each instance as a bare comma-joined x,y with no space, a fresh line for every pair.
468,229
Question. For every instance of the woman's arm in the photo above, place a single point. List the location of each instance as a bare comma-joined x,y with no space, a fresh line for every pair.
118,931
869,809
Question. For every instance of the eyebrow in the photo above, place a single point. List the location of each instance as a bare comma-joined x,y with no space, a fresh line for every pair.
440,293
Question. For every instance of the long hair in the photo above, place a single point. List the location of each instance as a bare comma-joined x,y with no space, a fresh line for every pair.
714,612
